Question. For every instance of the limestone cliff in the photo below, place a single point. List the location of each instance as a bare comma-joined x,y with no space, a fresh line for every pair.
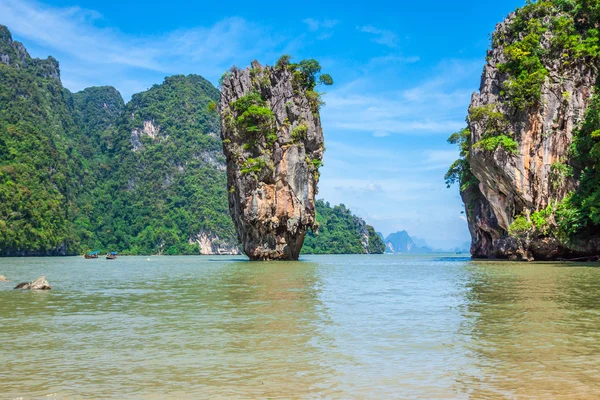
535,89
14,54
211,244
273,141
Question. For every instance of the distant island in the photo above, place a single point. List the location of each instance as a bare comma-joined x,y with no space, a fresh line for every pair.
402,243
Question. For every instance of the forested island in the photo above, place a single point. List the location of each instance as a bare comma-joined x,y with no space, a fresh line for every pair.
529,168
341,232
84,171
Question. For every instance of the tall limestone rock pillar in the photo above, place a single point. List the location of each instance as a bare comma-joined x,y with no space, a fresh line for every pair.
537,84
273,141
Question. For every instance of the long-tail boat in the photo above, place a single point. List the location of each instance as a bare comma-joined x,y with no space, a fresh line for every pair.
91,254
112,255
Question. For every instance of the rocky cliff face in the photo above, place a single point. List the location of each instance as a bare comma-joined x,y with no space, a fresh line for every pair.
534,94
14,54
211,244
273,142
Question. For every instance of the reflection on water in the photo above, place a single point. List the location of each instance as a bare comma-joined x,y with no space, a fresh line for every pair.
326,327
178,326
532,330
268,324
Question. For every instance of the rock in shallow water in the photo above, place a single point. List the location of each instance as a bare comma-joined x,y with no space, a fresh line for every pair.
533,176
39,284
3,279
273,141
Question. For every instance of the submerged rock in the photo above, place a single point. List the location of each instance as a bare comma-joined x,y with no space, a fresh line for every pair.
3,279
39,284
273,141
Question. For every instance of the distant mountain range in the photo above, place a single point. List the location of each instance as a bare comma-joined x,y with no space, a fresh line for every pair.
402,243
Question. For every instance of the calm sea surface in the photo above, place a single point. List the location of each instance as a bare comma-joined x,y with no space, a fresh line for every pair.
325,327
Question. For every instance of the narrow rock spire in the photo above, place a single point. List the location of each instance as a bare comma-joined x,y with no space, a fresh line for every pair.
273,141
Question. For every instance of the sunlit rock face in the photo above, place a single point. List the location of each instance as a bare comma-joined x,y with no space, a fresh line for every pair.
521,182
273,141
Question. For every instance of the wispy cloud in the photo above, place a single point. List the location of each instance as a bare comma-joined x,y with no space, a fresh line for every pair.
73,36
435,106
395,112
385,160
396,202
324,27
384,37
376,126
439,159
391,60
381,134
315,24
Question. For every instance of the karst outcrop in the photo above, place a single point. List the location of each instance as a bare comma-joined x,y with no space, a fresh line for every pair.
523,169
273,142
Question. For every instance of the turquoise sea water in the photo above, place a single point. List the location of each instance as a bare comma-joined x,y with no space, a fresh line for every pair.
325,327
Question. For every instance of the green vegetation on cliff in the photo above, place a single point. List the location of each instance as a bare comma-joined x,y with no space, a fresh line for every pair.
581,210
96,113
341,232
306,76
85,171
572,26
460,171
167,182
42,173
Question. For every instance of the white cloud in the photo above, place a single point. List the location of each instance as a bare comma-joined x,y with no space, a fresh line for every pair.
93,54
315,25
358,151
386,160
396,202
323,27
395,112
373,187
386,38
381,134
435,106
439,159
391,60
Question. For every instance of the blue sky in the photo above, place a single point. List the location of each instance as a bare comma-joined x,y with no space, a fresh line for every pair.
404,73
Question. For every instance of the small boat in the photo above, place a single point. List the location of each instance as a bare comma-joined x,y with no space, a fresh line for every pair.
91,254
112,255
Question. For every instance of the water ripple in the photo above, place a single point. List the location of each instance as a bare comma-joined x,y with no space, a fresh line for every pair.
325,327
